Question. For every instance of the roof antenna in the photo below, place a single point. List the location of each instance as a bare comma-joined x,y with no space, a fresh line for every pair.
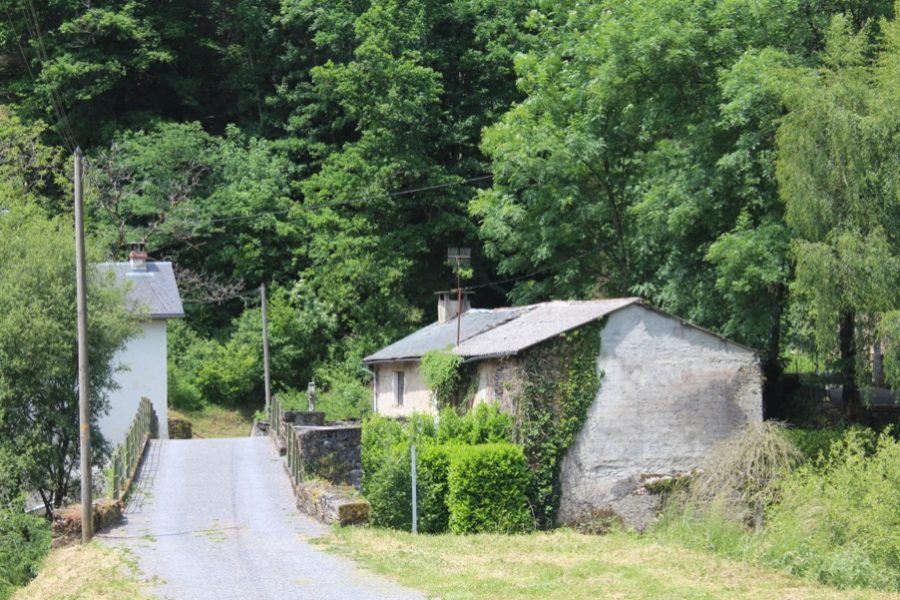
459,258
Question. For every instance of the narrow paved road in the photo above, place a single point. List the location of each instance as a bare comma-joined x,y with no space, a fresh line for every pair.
216,519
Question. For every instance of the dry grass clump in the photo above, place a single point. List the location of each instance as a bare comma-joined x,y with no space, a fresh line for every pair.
742,473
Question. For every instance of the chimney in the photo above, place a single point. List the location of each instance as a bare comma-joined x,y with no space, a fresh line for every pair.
447,304
138,256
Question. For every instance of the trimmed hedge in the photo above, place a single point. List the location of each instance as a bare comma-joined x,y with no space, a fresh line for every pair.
24,541
486,490
380,436
490,480
432,469
389,490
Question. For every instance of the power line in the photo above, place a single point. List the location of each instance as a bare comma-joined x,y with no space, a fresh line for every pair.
69,143
55,98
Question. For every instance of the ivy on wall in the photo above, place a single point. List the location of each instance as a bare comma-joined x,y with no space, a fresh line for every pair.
452,382
560,382
557,383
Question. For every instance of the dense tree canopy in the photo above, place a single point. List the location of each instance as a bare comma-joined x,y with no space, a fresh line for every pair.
680,150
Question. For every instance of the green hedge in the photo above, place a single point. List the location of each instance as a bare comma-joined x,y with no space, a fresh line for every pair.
432,469
486,489
389,489
498,466
379,437
24,541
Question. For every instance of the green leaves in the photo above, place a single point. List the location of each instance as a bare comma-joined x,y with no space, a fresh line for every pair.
837,170
38,354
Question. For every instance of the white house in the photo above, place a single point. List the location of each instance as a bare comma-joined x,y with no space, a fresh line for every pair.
143,361
669,390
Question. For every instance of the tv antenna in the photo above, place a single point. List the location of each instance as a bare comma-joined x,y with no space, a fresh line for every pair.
459,258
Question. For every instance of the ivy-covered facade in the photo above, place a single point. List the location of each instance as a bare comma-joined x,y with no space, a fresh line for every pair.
606,396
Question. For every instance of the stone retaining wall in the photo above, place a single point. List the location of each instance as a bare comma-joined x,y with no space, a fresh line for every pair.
331,452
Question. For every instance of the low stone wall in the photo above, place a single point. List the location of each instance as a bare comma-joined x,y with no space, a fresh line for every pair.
295,417
331,504
67,521
330,452
179,429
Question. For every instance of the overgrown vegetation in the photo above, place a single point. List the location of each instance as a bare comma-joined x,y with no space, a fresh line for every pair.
833,519
24,542
440,371
561,381
741,475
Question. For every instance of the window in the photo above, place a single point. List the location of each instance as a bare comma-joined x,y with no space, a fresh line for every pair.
399,387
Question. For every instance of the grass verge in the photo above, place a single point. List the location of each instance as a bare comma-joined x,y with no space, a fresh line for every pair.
216,422
563,564
91,572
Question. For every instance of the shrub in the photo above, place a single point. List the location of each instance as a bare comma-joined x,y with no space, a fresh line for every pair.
815,444
838,521
433,465
379,436
481,425
742,473
389,489
486,489
343,396
24,541
834,520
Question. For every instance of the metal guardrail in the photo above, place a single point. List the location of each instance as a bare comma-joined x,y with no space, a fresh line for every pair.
127,456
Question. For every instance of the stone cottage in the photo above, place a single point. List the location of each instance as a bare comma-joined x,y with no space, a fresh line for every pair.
669,390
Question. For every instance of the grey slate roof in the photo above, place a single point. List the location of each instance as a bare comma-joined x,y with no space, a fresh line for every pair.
440,336
153,289
541,322
501,331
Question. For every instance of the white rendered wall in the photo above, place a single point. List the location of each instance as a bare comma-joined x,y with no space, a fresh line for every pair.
669,392
416,397
143,375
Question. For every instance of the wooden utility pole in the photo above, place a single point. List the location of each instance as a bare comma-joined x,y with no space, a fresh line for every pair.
458,302
265,338
84,395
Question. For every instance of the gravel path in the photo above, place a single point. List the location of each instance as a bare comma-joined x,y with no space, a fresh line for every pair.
216,519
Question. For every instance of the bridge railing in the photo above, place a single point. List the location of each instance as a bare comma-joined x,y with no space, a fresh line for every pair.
127,456
276,422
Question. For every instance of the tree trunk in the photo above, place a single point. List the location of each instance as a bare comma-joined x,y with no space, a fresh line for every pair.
851,397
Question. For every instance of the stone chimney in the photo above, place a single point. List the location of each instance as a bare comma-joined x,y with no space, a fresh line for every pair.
447,304
138,256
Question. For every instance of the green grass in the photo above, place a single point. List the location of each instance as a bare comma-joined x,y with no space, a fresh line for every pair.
216,421
566,565
92,572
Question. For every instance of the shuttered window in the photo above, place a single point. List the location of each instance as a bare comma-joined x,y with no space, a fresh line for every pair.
399,387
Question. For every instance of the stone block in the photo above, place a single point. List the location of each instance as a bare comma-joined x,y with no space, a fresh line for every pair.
331,504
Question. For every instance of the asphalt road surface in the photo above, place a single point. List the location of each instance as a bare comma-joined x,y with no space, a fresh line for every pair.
216,519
